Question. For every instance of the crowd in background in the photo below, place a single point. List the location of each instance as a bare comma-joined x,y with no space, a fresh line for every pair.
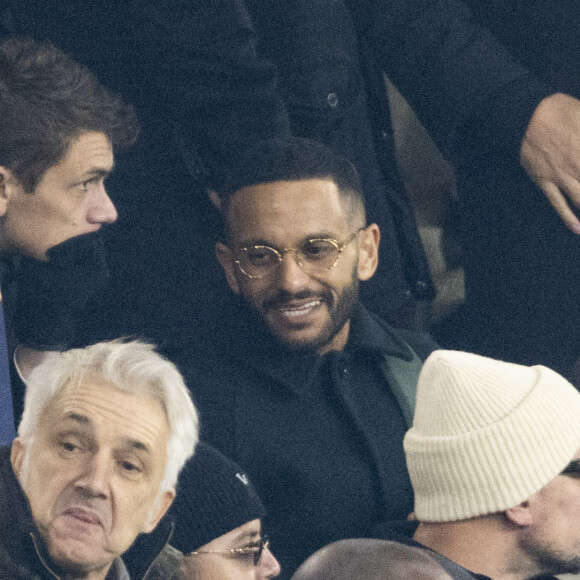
232,99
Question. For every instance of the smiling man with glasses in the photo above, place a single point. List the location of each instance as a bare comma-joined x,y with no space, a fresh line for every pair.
300,384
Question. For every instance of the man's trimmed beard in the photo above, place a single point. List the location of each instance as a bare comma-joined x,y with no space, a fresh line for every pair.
550,560
339,313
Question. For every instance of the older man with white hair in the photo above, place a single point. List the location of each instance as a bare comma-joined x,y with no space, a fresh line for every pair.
104,434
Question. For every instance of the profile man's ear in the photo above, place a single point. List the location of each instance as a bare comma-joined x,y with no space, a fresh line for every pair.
520,515
226,260
215,199
368,260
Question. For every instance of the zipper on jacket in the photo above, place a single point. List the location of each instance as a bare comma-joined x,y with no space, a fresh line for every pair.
40,557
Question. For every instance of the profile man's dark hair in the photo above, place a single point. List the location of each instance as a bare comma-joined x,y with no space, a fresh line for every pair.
46,101
294,159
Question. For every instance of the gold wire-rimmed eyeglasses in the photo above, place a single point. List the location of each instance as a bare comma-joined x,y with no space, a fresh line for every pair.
312,255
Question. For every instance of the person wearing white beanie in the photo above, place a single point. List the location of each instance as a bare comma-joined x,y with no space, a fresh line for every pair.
494,460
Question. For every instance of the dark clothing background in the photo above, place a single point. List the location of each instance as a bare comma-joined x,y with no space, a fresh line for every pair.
200,77
335,93
521,263
161,249
320,437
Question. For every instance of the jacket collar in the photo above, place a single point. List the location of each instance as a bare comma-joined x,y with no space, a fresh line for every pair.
147,547
297,371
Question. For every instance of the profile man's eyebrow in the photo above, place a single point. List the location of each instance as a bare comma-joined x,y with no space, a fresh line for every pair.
97,172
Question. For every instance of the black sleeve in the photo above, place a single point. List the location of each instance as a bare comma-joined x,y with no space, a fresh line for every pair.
453,73
220,96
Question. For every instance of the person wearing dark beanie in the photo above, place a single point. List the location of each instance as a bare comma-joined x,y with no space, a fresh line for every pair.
218,522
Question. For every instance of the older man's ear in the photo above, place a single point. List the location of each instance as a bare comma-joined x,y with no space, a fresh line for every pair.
160,509
17,454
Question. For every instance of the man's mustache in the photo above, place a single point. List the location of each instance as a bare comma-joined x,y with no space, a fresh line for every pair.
284,297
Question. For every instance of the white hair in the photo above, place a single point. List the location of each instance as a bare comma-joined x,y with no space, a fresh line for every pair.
134,368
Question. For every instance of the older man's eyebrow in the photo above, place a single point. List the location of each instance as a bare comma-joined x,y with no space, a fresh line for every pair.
136,444
83,419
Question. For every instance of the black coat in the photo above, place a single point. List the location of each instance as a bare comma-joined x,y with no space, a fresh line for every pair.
320,437
521,262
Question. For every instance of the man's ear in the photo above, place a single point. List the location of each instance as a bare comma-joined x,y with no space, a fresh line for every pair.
7,184
368,244
520,515
17,454
160,510
215,199
225,258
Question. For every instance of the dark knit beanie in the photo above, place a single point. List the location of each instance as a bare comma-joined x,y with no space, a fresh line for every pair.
214,496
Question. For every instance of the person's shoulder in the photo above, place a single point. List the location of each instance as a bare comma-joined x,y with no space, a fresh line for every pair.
420,342
166,566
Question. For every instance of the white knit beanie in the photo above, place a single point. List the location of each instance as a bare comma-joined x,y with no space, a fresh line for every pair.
487,434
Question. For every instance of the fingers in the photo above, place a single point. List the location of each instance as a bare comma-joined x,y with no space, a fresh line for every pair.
560,203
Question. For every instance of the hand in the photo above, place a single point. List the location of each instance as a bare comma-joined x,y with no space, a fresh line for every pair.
550,153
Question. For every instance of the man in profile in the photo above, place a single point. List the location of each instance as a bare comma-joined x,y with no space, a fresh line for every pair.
59,127
494,459
104,434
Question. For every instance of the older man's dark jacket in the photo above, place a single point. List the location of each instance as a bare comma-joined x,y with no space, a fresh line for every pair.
21,554
320,436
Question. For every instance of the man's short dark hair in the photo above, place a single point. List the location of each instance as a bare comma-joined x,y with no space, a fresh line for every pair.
46,101
294,159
